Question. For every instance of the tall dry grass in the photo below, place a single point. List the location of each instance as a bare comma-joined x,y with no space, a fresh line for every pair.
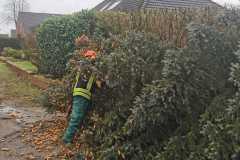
169,24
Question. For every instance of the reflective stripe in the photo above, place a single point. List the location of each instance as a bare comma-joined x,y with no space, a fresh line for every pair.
90,82
82,94
86,93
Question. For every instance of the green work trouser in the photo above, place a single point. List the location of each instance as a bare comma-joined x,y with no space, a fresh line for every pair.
79,110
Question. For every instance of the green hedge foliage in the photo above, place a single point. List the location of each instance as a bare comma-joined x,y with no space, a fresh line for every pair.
163,102
56,38
17,53
9,42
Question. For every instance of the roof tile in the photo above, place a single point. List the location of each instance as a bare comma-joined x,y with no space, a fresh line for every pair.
130,5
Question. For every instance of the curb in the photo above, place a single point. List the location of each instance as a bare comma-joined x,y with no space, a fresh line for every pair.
40,83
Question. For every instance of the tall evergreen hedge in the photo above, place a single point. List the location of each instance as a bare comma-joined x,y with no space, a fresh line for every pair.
168,103
163,102
56,37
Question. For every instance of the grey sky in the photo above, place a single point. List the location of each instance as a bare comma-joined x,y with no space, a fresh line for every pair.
61,6
67,6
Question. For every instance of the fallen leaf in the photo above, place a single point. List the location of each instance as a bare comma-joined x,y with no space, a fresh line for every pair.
13,114
31,157
5,149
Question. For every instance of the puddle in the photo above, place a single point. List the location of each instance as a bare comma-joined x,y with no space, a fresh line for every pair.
6,109
21,115
24,116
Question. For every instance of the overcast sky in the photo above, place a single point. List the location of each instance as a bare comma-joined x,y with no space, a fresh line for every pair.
67,6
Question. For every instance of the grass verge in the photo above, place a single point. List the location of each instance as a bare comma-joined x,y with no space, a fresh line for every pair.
25,65
13,87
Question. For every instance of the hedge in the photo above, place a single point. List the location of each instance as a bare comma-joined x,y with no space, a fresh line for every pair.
56,37
166,103
9,42
17,53
163,102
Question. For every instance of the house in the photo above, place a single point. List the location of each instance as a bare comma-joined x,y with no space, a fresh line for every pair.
27,22
132,5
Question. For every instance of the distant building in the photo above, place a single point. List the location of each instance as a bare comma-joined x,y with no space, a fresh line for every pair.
13,33
4,36
132,5
28,21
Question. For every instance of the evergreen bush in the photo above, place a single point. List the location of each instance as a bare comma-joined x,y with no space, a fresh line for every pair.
174,111
56,37
162,101
17,53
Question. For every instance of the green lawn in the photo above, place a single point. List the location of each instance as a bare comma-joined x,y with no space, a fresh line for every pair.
4,72
11,86
25,65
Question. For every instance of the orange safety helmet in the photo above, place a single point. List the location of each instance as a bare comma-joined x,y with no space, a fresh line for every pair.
90,54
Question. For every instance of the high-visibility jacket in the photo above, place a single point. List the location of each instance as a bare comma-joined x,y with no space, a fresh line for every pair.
86,91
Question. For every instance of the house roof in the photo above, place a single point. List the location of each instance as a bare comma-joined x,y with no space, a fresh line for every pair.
130,5
31,20
119,5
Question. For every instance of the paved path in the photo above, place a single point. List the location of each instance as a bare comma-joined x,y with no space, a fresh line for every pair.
27,132
17,111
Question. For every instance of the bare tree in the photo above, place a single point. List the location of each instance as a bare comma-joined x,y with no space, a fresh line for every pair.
12,9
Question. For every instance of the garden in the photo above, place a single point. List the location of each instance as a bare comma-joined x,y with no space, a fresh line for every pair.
172,76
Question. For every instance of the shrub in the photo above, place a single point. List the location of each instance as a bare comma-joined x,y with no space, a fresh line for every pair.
9,52
54,98
166,103
168,24
163,96
35,58
163,102
56,37
131,64
18,54
9,42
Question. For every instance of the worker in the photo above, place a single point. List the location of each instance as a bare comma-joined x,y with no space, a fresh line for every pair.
82,93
